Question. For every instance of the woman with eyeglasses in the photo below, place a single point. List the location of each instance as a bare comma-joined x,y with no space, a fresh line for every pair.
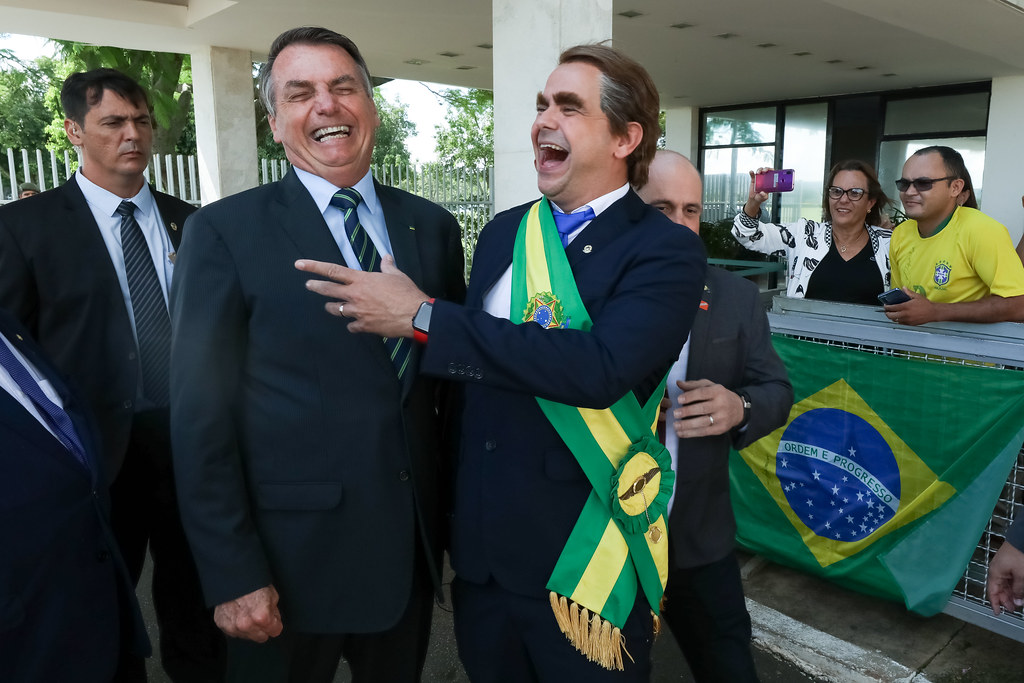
845,257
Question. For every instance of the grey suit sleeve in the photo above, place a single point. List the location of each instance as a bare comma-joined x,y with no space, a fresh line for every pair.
765,381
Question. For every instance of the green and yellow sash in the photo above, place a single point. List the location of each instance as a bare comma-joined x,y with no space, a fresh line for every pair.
619,540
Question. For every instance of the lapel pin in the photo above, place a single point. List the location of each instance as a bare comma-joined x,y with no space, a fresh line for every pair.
587,249
20,338
172,256
174,226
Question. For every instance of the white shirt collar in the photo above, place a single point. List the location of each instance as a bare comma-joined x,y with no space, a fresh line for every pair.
321,190
107,202
600,203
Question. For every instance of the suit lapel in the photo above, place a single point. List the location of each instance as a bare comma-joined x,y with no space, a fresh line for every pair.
172,218
699,334
294,210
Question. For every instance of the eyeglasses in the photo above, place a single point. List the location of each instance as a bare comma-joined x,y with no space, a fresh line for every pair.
920,184
854,193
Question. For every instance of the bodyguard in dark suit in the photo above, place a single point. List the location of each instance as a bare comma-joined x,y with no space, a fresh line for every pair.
67,606
731,389
519,490
308,459
87,272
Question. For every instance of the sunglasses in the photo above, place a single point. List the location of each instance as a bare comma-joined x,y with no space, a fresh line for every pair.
854,193
920,184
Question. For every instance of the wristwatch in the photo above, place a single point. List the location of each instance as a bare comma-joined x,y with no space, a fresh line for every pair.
421,321
746,409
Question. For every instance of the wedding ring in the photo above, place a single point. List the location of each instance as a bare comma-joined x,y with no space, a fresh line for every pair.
711,421
341,309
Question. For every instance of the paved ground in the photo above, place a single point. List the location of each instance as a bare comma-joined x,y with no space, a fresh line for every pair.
805,630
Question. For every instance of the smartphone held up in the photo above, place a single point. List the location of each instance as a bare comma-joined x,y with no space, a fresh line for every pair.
771,180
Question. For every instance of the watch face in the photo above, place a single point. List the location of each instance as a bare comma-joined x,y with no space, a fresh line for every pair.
421,321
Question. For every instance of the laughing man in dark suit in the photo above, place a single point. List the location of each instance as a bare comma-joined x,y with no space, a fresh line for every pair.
102,318
308,459
730,389
519,489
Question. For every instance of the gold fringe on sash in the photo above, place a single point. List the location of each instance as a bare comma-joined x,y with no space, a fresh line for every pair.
593,636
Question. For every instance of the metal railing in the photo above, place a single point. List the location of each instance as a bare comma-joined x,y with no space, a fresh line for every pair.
999,345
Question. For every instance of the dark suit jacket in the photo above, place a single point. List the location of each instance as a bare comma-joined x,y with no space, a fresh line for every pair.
730,345
519,490
301,461
64,592
56,276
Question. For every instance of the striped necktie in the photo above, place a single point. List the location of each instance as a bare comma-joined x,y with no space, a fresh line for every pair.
347,200
152,323
55,416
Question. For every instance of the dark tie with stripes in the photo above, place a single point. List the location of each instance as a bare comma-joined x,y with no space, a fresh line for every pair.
58,420
152,324
347,200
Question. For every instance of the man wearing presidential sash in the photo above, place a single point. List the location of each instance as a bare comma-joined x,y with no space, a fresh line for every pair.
577,306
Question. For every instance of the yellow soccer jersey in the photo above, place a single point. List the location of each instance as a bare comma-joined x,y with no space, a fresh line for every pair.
967,260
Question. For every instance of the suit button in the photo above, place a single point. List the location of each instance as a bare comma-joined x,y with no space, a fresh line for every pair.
490,445
102,555
128,404
131,355
478,374
451,368
403,475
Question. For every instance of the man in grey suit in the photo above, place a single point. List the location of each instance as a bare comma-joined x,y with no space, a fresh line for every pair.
728,389
308,459
86,268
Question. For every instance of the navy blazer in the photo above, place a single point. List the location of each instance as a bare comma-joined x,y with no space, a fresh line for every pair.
301,461
67,605
519,490
56,276
730,345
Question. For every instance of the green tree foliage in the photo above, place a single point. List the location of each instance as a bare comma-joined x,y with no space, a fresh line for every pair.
466,138
166,76
23,112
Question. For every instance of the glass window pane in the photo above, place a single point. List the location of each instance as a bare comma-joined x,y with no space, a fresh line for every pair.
740,127
727,178
894,153
803,151
937,114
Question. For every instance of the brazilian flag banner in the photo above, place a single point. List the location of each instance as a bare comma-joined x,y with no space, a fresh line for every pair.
886,473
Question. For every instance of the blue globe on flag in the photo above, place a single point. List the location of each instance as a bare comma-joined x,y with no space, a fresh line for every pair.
838,474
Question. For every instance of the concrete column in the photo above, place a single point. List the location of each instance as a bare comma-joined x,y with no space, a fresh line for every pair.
528,36
225,121
1004,148
681,128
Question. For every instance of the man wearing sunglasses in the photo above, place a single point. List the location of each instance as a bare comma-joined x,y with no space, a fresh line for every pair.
953,261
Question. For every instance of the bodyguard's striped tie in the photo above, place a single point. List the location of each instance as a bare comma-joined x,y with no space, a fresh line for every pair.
347,199
152,323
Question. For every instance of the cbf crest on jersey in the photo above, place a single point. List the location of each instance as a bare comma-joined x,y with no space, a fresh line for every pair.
886,473
941,276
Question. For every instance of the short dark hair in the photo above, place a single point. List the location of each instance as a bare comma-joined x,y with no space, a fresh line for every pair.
307,35
83,90
955,166
874,189
628,94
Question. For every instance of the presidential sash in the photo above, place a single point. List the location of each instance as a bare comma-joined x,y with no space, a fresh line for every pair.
619,542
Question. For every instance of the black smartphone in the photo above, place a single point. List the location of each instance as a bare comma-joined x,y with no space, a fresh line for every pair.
893,296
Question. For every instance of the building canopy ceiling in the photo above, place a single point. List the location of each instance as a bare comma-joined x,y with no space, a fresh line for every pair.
700,52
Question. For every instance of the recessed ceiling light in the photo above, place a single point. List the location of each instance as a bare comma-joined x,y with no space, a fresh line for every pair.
766,45
629,14
864,68
485,46
465,68
682,24
416,62
726,36
680,97
450,54
801,54
834,61
888,75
